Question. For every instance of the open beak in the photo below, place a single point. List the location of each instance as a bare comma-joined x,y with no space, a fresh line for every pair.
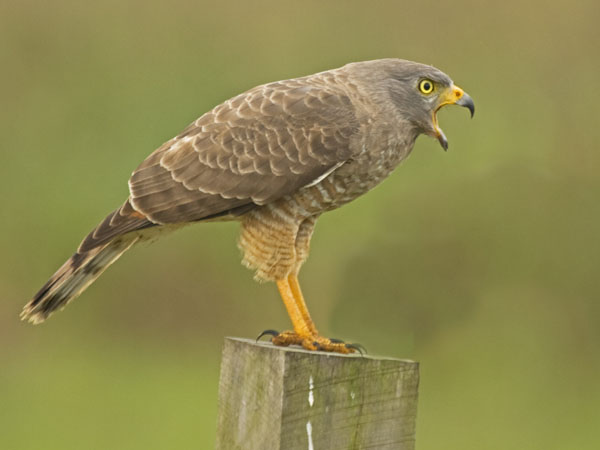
453,96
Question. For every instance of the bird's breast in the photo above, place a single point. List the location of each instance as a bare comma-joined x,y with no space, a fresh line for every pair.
354,178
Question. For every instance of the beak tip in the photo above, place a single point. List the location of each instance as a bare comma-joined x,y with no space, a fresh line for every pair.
467,102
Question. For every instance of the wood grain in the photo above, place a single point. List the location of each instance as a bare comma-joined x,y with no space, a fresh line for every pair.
276,398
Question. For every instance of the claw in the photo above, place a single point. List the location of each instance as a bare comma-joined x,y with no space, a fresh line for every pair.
359,348
336,341
273,333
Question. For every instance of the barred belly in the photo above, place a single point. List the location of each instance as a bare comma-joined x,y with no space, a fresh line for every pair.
275,238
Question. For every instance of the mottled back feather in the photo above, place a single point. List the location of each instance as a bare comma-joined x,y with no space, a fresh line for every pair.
253,149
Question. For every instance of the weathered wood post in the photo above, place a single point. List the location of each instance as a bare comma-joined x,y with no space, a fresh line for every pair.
277,398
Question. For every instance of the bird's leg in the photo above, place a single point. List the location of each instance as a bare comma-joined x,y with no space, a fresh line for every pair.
297,293
305,332
299,322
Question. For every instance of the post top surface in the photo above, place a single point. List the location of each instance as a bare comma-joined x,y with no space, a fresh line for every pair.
295,349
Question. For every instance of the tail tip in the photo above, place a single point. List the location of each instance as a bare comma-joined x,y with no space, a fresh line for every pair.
29,314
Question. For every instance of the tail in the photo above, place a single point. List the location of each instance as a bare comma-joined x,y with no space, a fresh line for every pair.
73,278
103,246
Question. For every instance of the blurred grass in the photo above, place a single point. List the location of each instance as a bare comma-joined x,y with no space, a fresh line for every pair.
480,263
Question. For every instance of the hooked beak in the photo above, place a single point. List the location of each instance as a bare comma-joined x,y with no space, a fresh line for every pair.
453,96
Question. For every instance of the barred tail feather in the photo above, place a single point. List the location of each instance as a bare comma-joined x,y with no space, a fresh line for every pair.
74,277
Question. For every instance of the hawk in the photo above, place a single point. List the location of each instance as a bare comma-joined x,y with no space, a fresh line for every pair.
274,159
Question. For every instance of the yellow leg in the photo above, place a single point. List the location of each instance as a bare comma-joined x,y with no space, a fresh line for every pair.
301,304
305,332
301,326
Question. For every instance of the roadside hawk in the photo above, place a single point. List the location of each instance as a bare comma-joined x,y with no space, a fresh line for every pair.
274,159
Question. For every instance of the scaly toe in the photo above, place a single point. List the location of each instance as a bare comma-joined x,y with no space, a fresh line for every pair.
328,345
286,338
312,343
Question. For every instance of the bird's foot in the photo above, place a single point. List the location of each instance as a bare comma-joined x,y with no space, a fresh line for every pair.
311,342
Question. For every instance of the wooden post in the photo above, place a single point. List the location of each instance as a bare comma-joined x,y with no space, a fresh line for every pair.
278,398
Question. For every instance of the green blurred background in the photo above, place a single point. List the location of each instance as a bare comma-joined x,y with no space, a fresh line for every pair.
481,263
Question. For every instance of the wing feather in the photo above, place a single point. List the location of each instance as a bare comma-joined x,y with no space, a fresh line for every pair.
253,149
121,221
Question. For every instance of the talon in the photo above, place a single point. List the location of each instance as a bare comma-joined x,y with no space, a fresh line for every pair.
359,348
336,341
273,333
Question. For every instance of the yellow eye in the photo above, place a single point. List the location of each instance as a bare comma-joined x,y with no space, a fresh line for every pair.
426,86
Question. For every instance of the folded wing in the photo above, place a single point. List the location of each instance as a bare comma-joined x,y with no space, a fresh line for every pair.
257,147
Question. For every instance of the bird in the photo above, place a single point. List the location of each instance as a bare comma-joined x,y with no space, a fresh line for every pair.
273,158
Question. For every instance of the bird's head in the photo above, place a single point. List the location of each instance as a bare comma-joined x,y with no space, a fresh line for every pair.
417,92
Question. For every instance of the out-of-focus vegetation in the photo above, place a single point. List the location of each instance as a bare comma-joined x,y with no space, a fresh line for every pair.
481,263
